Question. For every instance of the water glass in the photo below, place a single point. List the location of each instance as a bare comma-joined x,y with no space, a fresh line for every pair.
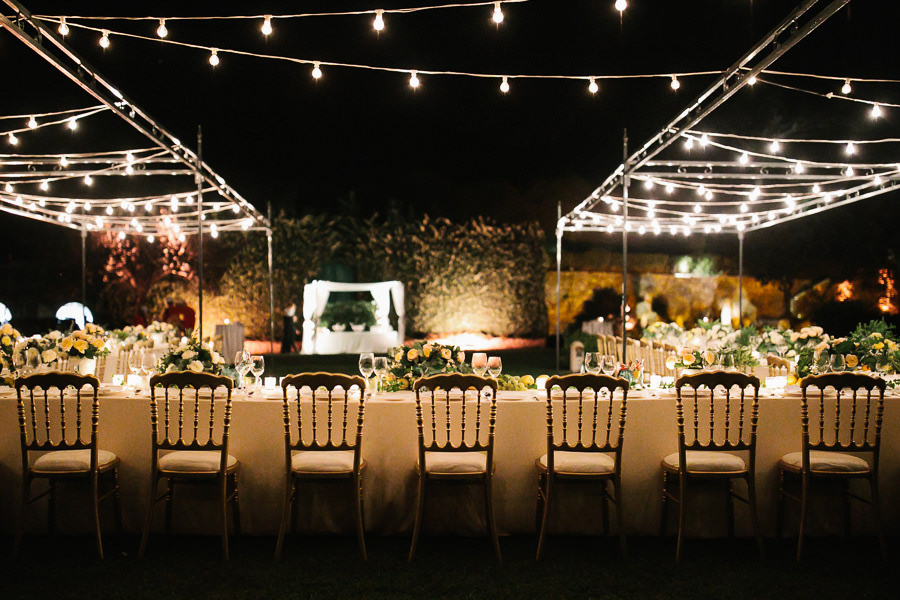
608,365
592,362
242,366
381,369
495,366
257,366
479,363
822,364
366,366
837,363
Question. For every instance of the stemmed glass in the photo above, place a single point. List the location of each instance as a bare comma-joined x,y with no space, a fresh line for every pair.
592,362
479,363
494,366
135,365
381,369
257,367
241,365
823,364
366,366
837,363
727,361
608,364
709,359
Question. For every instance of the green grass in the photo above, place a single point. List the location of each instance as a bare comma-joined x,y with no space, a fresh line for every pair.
446,567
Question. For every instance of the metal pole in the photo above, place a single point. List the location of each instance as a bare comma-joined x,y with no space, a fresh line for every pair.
626,180
83,273
559,234
199,180
740,280
271,292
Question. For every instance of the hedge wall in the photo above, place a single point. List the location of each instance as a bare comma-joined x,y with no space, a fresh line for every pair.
474,276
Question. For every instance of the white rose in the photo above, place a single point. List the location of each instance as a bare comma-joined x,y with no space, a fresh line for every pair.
49,355
171,368
54,335
188,354
196,366
217,358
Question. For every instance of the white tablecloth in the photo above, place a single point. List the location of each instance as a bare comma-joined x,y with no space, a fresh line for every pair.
389,447
352,342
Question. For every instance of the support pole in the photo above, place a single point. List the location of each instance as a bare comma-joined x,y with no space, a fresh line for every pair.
199,181
626,180
83,273
559,234
271,290
740,280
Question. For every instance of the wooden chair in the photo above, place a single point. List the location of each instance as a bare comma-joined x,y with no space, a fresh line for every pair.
453,450
841,423
577,456
705,448
778,366
192,432
68,451
323,441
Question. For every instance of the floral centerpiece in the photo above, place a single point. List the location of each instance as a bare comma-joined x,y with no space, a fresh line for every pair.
666,333
8,338
160,332
408,363
191,356
131,337
870,347
80,344
37,351
772,341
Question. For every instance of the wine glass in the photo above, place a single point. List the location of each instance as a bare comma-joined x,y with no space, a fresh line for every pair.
709,359
608,364
135,365
494,366
479,363
592,362
727,361
257,366
241,365
837,363
381,369
366,366
823,364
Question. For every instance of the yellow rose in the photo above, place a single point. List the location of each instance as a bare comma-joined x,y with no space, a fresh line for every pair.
446,354
687,359
709,357
791,379
66,344
399,356
6,340
404,384
412,355
97,343
426,351
461,357
878,346
81,345
851,360
670,362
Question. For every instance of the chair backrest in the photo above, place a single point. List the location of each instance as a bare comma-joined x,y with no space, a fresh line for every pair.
46,419
184,416
778,366
648,353
718,418
845,422
452,414
333,417
567,414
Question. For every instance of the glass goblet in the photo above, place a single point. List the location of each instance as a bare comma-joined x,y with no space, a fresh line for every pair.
837,363
479,363
592,362
366,366
381,369
257,367
608,364
494,366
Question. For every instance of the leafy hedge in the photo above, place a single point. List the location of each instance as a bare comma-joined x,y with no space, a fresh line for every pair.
474,276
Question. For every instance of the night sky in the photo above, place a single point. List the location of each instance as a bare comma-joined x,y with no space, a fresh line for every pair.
364,141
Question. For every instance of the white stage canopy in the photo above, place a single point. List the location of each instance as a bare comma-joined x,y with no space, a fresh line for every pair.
317,340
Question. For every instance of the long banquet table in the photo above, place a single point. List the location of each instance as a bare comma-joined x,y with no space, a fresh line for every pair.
389,447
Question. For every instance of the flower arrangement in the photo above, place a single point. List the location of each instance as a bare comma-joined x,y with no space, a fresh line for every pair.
870,347
8,337
773,341
191,356
36,351
159,327
408,363
80,344
131,337
667,333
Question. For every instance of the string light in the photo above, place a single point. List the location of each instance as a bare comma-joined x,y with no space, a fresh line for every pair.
235,209
849,172
189,200
752,80
87,207
621,5
744,158
378,23
150,238
744,207
754,194
45,186
413,80
497,17
846,89
701,190
104,39
316,71
161,31
798,167
129,170
72,124
704,140
816,189
675,83
708,195
877,180
592,86
109,210
689,143
876,111
32,122
63,28
9,188
267,25
648,184
214,57
670,188
850,148
148,206
504,85
13,139
774,147
63,162
697,208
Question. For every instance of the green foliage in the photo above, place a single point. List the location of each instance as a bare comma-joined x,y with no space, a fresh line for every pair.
350,312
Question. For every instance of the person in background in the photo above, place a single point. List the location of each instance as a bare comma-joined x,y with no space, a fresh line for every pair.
186,315
169,311
289,333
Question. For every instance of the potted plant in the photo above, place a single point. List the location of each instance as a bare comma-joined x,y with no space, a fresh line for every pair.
358,314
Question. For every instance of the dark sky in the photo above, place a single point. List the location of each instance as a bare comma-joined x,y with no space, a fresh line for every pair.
456,146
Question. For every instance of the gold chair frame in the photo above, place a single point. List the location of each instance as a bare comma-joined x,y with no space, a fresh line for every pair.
38,438
223,477
600,442
332,444
448,382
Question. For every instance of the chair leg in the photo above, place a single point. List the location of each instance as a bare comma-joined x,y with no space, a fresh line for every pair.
154,484
682,509
95,501
804,489
489,515
873,488
20,523
236,504
754,515
420,509
779,518
286,510
729,508
545,517
170,498
620,516
223,507
360,521
664,508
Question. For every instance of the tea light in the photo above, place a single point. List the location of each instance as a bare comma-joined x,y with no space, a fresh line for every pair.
776,382
655,381
134,380
270,382
541,382
118,379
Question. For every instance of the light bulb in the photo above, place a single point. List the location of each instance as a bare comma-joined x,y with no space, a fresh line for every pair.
44,186
816,189
689,143
648,184
63,28
504,85
9,188
129,170
877,180
72,124
850,148
621,5
161,31
755,193
708,195
701,190
497,17
593,87
675,83
798,167
744,207
109,210
846,89
744,158
104,40
827,198
752,80
413,80
129,157
235,209
697,208
188,199
63,162
378,23
150,238
267,25
148,206
704,140
316,71
214,57
774,146
32,123
670,188
876,111
849,172
13,139
121,235
87,207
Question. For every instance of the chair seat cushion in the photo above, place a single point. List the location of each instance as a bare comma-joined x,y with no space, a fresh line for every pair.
580,462
832,462
194,461
456,462
707,462
62,461
322,462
